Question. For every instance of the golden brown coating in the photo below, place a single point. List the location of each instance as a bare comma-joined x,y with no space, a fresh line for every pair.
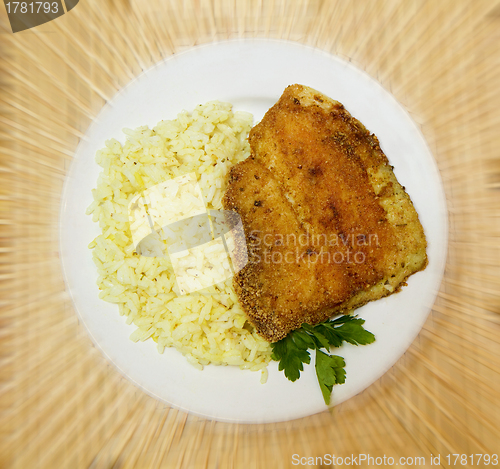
327,225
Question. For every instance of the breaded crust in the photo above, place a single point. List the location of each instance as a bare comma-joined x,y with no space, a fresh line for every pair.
327,224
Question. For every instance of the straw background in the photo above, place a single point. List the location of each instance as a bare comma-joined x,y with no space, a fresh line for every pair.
63,406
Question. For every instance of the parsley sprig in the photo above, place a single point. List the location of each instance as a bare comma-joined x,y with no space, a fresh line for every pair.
293,351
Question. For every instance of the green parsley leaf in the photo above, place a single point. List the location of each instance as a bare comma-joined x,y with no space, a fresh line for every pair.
354,333
349,331
330,371
303,340
292,351
334,339
290,357
319,339
341,319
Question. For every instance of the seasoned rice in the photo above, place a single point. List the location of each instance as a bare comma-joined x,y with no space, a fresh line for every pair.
207,326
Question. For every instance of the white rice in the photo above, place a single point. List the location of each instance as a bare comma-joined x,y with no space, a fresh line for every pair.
209,327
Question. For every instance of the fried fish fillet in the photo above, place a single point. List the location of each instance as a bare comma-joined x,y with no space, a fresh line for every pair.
327,225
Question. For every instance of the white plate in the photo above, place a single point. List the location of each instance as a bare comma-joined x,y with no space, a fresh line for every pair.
252,74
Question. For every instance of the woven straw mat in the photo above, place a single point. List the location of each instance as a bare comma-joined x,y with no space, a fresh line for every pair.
64,406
